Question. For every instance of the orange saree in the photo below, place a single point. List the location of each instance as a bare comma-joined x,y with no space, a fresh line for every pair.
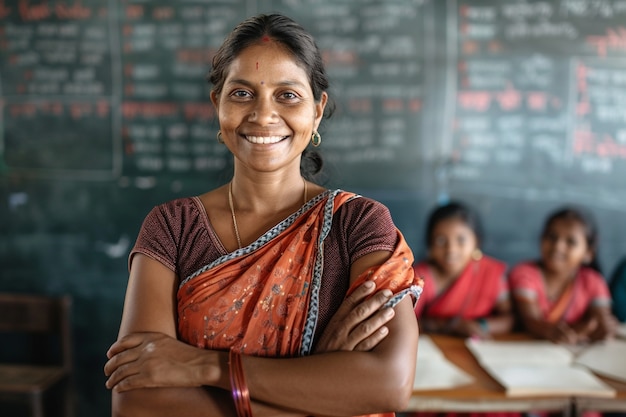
263,299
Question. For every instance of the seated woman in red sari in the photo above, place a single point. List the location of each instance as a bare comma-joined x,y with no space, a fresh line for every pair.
269,295
563,297
465,292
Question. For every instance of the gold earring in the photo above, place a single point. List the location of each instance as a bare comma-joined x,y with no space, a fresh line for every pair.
477,254
316,139
219,136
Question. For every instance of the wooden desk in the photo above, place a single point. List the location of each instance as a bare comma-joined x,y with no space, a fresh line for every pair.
482,395
617,403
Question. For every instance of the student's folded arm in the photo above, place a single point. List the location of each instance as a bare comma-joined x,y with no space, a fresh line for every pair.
606,323
502,319
530,315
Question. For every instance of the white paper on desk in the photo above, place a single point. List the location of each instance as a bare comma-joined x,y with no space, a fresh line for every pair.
606,358
536,368
537,380
433,371
527,352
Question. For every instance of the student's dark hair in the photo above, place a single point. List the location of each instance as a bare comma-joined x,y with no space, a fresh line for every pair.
297,41
454,210
586,219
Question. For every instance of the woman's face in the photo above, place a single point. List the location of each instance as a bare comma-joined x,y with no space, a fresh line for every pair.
266,108
564,246
452,245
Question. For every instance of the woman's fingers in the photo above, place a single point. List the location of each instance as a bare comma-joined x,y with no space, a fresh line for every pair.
357,296
371,332
126,342
143,360
359,321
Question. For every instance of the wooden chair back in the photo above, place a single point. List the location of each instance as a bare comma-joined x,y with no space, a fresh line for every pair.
40,328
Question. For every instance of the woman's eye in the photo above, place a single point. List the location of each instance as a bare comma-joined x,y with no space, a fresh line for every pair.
572,243
288,95
241,94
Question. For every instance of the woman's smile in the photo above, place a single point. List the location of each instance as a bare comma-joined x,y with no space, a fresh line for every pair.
264,139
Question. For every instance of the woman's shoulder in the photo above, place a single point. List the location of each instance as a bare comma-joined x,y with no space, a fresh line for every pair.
526,266
179,204
365,214
525,272
589,274
178,208
175,216
359,203
493,262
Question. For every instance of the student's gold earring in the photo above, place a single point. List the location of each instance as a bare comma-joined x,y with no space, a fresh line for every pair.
219,136
477,254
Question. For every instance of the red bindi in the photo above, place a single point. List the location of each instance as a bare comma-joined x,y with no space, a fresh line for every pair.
265,38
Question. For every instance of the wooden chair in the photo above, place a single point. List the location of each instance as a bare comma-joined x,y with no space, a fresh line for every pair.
39,327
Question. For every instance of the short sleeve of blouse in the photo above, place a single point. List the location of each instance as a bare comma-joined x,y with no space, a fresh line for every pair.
596,287
368,227
155,239
525,280
176,234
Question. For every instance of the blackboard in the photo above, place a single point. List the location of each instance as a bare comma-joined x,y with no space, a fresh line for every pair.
515,107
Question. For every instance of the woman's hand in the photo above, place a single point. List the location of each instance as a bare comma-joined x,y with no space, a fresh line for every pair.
561,332
149,360
470,328
359,323
604,325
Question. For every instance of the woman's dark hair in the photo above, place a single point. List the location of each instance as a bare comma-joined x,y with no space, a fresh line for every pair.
586,219
454,210
297,41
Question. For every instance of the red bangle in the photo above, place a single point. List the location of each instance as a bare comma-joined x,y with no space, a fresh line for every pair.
241,395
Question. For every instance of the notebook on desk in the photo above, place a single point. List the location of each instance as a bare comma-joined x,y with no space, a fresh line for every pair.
607,359
433,371
536,368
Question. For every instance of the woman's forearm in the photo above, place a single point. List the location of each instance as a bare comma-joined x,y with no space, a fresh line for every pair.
167,402
351,383
285,386
335,383
188,402
500,323
334,377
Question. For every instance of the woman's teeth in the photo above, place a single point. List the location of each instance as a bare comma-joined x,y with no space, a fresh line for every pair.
264,139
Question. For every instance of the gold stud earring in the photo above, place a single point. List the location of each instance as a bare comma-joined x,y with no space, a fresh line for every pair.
477,254
316,139
219,136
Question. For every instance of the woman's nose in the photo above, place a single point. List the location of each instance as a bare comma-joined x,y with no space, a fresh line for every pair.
263,112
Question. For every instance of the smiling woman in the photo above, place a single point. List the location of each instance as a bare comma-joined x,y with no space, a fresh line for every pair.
562,296
466,291
269,295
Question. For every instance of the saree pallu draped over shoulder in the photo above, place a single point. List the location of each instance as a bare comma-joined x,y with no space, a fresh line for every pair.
263,299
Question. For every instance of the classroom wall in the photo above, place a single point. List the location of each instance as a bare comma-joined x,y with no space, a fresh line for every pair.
515,107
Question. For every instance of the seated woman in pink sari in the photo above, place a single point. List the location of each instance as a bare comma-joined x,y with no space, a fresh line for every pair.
563,297
465,292
269,295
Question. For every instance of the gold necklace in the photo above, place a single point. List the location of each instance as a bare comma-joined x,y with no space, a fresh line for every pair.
232,208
